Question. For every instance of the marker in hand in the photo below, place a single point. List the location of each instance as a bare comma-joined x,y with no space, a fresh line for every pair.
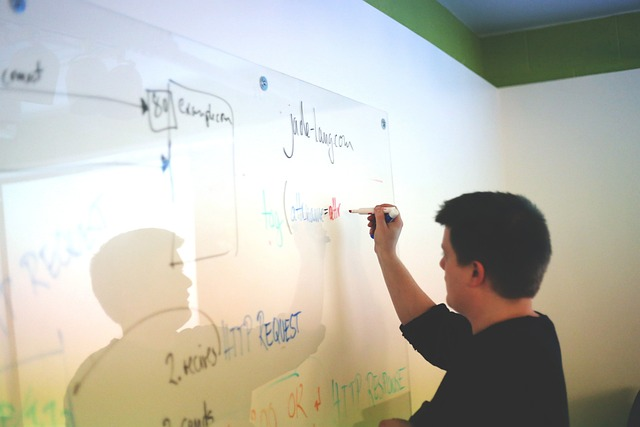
390,213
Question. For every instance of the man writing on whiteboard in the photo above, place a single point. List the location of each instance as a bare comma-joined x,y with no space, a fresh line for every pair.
502,359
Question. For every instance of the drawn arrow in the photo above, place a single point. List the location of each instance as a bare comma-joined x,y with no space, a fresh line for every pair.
142,104
166,160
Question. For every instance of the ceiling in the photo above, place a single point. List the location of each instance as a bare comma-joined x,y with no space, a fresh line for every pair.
489,17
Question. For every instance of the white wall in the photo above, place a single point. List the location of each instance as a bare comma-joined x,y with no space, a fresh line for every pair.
574,147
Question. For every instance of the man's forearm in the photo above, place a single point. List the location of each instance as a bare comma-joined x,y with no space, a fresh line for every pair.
409,300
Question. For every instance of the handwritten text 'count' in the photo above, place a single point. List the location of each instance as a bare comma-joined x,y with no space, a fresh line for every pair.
301,128
9,76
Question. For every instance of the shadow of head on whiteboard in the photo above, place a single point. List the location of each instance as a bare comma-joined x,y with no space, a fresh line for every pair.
137,278
160,374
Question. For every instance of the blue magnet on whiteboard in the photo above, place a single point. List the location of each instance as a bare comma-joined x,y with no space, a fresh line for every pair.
18,6
264,83
383,123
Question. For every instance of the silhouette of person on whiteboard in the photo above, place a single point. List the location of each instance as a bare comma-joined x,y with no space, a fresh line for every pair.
156,376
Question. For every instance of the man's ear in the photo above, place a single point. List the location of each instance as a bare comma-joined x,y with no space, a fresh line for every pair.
478,273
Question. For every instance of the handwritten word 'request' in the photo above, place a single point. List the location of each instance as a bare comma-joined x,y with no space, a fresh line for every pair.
277,330
236,339
301,128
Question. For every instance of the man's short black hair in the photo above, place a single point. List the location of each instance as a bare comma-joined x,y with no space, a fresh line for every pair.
506,233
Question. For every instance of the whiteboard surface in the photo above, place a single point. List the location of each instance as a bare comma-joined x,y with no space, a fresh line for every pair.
240,187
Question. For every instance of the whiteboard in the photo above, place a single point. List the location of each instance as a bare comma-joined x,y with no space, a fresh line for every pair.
176,245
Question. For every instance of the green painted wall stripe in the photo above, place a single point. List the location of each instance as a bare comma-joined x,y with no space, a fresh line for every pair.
577,49
563,51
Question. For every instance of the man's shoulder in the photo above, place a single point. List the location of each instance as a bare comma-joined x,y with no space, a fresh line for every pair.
523,328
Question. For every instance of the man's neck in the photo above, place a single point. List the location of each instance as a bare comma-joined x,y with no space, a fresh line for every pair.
500,311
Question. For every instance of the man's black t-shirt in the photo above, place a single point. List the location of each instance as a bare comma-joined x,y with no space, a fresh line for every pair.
508,375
